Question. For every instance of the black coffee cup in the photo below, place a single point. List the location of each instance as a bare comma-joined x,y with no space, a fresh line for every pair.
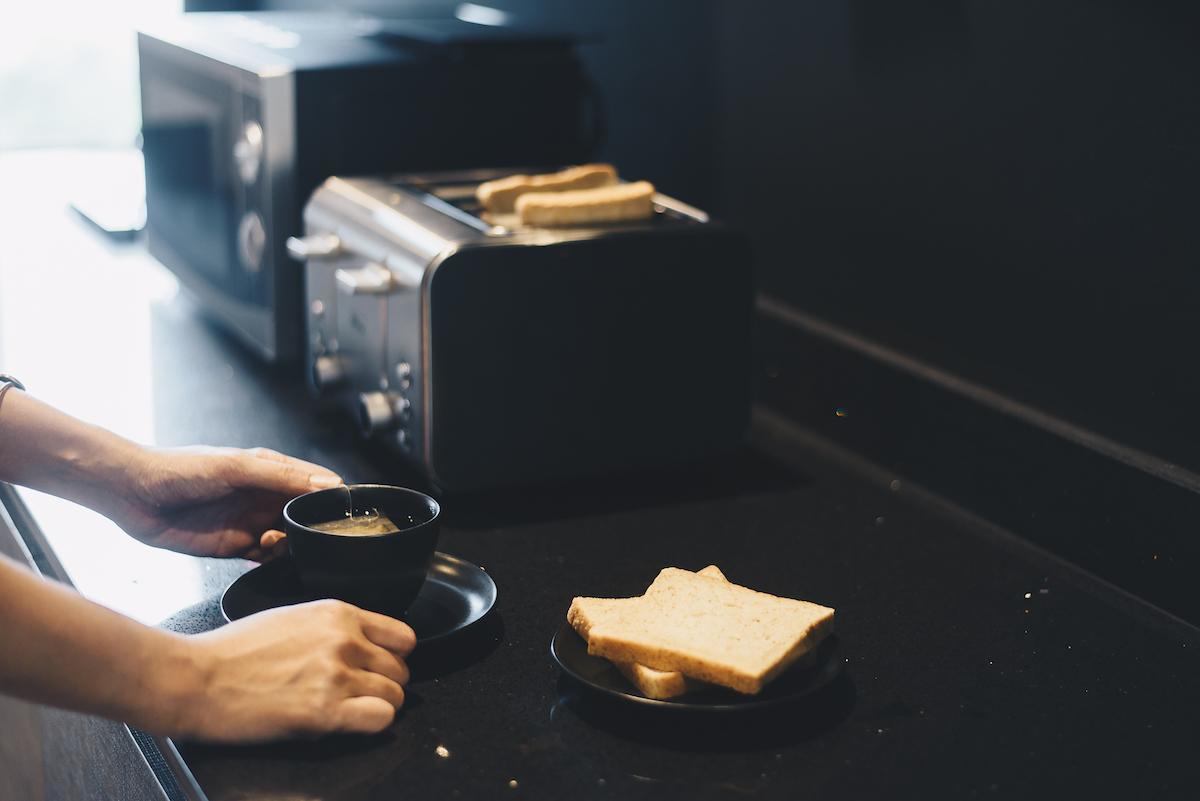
380,572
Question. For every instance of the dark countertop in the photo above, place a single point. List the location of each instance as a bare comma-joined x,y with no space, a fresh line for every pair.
956,684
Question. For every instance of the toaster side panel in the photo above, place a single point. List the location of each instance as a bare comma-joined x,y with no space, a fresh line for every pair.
593,356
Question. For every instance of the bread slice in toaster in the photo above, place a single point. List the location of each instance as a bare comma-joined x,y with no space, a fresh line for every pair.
500,196
617,203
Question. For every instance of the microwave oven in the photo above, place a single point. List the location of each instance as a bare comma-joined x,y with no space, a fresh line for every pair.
244,114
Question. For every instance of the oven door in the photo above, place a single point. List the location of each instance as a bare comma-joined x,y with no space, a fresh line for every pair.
207,188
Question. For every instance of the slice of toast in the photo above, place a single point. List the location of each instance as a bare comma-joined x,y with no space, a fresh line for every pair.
586,612
709,630
607,204
500,196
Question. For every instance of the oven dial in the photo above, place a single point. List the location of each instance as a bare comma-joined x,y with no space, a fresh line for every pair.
248,151
252,241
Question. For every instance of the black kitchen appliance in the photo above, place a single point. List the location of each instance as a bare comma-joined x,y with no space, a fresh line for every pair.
491,353
244,114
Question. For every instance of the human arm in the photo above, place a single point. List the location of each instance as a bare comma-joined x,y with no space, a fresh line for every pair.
303,670
204,501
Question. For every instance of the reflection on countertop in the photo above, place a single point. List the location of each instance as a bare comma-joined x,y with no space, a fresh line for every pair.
102,331
75,325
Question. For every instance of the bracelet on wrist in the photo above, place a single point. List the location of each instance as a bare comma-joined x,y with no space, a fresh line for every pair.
7,382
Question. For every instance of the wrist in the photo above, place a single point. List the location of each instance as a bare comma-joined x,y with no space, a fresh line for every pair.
106,471
107,461
47,450
178,683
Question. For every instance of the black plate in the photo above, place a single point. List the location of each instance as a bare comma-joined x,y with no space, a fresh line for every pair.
570,652
456,595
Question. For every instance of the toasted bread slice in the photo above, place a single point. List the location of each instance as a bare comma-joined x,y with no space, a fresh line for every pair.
585,612
500,196
617,203
709,630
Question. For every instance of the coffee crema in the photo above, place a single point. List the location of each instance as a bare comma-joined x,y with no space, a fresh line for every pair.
361,525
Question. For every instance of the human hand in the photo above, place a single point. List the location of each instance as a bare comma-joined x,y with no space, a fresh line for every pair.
304,670
213,501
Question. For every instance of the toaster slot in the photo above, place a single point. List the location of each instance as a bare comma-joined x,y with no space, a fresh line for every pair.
456,199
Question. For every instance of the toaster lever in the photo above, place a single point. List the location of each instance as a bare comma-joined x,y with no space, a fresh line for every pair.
679,207
301,248
371,279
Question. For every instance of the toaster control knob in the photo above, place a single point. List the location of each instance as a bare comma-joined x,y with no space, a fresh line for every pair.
381,411
328,373
374,413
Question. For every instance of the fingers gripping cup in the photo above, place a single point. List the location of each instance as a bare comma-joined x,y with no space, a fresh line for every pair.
379,566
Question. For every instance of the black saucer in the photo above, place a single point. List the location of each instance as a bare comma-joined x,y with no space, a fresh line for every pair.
570,652
456,595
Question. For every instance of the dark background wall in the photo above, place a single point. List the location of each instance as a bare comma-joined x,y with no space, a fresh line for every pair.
1003,189
1006,189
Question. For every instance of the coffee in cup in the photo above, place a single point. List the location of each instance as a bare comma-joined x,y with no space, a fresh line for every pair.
376,557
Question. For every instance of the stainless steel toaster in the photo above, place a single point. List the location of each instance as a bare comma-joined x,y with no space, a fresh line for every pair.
495,355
